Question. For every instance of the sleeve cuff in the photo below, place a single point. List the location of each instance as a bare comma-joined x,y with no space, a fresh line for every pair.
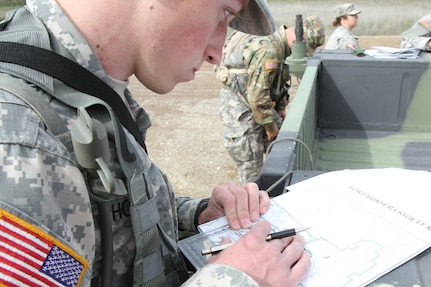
201,207
220,275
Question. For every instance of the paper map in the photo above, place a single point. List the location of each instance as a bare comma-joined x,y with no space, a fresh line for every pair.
364,223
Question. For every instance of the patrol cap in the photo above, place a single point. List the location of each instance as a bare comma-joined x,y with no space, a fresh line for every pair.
346,9
314,32
255,19
422,27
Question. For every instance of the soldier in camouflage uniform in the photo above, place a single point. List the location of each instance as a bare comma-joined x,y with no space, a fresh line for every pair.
419,35
251,117
55,216
346,19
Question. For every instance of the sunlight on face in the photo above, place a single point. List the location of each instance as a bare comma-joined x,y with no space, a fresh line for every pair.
351,21
193,32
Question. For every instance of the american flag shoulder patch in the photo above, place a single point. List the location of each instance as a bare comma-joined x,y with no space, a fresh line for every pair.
31,257
426,23
271,65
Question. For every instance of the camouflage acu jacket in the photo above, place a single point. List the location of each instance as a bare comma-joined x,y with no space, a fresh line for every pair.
251,64
50,219
419,35
340,38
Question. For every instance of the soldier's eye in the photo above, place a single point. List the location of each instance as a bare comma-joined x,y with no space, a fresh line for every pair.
229,15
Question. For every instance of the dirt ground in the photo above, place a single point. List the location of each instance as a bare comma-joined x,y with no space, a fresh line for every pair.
185,140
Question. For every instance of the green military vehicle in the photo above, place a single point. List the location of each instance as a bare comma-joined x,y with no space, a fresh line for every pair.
354,111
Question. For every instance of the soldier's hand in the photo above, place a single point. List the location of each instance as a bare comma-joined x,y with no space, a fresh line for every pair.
271,135
282,114
271,131
242,205
280,262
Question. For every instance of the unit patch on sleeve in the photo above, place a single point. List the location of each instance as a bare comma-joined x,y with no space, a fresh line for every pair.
426,23
31,257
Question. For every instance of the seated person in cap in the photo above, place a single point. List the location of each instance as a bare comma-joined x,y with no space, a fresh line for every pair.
346,18
419,35
251,114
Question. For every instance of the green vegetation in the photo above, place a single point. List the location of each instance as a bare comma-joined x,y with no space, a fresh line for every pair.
378,17
11,2
6,5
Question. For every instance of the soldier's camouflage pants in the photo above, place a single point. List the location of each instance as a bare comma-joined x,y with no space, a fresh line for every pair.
243,138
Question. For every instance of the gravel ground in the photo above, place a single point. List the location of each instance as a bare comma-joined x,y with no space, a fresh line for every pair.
185,140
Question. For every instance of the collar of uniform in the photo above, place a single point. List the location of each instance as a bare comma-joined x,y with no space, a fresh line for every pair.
280,35
60,26
120,87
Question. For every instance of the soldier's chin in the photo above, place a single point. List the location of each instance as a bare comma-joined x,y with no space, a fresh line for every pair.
160,87
187,77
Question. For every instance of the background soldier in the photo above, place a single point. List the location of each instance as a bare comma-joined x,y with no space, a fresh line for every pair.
346,18
250,66
419,35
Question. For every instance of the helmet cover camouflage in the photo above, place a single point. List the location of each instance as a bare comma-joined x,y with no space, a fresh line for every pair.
346,9
314,32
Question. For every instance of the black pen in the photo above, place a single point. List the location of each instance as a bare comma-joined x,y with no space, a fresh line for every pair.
275,235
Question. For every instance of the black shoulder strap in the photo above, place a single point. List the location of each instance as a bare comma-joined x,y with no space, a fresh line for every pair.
71,74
